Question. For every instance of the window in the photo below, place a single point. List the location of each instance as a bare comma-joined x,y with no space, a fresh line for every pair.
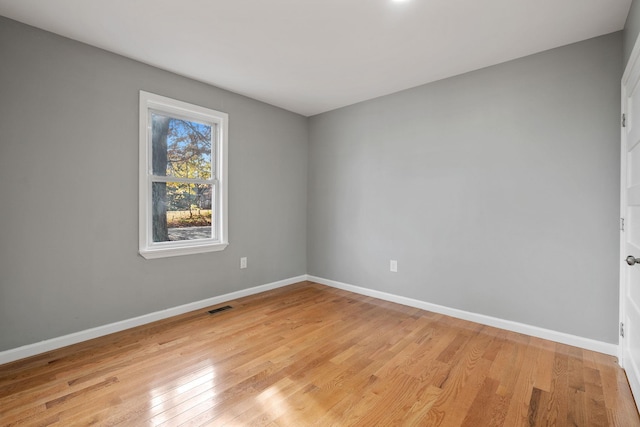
183,178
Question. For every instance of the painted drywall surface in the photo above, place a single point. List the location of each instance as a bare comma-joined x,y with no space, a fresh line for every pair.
69,197
631,31
496,191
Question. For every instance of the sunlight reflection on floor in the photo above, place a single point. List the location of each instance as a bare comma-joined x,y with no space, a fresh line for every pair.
165,402
273,399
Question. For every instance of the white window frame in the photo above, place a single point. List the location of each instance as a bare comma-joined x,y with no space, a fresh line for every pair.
220,124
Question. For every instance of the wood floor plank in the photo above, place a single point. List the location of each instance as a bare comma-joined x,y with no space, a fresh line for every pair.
462,385
488,408
544,365
521,395
355,397
557,408
310,355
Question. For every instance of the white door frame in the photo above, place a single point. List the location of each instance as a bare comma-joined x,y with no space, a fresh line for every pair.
634,62
623,211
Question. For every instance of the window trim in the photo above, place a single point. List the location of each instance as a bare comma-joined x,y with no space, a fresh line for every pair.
147,248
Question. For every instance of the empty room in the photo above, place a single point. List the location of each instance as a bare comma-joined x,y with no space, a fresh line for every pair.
319,213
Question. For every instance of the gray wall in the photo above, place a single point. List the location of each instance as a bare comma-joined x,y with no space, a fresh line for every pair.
497,191
631,30
68,191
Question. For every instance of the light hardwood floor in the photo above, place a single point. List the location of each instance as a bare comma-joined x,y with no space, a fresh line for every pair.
308,355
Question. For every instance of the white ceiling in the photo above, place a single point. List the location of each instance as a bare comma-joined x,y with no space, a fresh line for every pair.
311,56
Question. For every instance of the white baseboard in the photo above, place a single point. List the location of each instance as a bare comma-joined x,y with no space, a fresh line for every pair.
561,337
76,337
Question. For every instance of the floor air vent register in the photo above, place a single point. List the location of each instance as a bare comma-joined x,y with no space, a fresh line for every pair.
219,309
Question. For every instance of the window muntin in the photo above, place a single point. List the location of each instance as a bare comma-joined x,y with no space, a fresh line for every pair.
182,178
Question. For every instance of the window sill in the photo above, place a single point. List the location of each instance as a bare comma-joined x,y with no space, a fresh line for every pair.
163,252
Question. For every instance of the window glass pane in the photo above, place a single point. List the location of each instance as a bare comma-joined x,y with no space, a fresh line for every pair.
180,148
181,211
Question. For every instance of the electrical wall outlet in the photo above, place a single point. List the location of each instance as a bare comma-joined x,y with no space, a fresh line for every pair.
393,266
243,262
